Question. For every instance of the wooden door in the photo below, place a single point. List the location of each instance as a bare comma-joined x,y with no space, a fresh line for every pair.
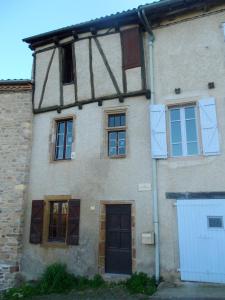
118,239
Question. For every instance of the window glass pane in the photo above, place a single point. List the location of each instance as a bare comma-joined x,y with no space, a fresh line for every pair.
117,120
175,114
111,121
58,221
112,140
191,131
176,149
192,148
60,140
68,152
69,139
59,152
61,127
122,120
69,126
215,222
176,132
189,113
121,142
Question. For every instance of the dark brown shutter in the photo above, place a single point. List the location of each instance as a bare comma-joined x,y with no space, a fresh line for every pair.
73,222
131,48
36,226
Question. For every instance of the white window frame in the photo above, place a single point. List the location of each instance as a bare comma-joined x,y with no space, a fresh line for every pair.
183,130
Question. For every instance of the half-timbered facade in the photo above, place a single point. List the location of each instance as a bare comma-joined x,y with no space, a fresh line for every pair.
87,182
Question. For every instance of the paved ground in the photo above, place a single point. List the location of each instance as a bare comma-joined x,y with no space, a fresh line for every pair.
192,291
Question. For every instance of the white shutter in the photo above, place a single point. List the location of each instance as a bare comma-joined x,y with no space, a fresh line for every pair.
158,131
210,136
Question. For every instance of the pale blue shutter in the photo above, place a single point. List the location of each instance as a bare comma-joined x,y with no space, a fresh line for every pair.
158,131
209,129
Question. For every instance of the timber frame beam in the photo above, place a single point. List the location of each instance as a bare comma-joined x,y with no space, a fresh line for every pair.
58,108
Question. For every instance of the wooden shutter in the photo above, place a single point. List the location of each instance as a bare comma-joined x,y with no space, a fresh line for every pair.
131,48
36,226
158,131
209,129
73,222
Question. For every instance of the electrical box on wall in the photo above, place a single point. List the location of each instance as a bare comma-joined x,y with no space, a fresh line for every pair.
148,238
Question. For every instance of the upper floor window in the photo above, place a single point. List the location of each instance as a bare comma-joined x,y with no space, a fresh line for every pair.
116,131
67,64
64,139
183,128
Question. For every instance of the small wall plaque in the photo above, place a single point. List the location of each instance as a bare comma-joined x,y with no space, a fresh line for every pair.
144,187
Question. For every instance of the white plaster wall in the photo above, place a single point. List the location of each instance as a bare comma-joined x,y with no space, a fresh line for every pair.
91,177
83,69
134,81
51,95
188,55
68,94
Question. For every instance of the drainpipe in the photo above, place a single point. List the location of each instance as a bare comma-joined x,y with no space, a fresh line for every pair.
145,22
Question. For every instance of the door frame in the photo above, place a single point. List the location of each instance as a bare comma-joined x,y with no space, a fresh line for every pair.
102,234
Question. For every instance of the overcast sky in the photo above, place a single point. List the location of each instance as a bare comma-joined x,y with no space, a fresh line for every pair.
24,18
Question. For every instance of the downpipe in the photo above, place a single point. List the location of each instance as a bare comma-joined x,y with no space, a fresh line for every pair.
146,24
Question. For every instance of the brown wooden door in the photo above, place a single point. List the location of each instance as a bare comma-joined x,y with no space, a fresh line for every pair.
118,239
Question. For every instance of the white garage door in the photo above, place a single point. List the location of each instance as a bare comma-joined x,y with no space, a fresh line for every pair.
202,240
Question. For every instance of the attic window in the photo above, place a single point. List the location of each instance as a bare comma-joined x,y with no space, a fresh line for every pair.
131,44
67,64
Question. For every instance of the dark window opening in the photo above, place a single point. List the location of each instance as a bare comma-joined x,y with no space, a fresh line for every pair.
58,221
64,139
67,64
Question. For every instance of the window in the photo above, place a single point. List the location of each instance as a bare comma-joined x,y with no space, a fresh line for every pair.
64,139
67,64
58,221
55,221
183,129
215,222
116,134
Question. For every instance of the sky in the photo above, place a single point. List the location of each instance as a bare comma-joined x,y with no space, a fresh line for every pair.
23,18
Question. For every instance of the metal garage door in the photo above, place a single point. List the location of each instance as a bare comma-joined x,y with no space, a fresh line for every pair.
202,240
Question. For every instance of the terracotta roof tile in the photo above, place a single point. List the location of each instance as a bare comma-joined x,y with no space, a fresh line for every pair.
15,85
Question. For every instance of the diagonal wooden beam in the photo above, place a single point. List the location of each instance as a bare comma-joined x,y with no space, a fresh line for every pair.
107,66
46,78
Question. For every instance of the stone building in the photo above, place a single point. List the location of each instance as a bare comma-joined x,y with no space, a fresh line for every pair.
15,149
99,199
128,154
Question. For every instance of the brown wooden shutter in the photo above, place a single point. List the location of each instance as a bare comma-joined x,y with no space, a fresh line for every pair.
36,226
131,48
73,222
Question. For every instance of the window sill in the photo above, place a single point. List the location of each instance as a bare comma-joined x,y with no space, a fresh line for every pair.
54,245
61,160
117,156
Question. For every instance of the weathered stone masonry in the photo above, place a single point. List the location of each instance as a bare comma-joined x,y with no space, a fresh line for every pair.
15,147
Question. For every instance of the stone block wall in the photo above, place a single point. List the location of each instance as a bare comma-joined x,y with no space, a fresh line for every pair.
15,149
